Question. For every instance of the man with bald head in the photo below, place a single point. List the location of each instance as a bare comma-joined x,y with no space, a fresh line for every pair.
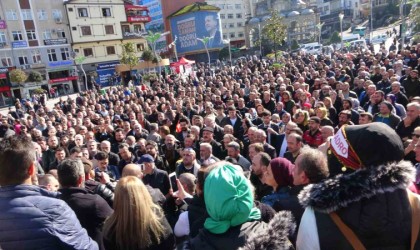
327,132
135,170
114,159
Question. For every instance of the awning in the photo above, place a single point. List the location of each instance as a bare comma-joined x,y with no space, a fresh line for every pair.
134,7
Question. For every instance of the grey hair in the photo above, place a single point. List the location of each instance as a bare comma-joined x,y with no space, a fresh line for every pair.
69,171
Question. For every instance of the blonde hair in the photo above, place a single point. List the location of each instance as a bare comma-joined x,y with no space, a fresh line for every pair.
136,219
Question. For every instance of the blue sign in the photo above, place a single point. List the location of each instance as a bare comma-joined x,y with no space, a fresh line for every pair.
188,27
108,65
60,63
19,44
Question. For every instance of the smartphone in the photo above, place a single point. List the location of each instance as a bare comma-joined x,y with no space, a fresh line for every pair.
141,167
173,179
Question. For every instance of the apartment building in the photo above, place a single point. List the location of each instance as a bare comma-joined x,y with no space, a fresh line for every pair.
233,15
34,36
98,29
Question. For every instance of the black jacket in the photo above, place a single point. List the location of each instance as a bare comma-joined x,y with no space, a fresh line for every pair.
372,201
102,190
90,209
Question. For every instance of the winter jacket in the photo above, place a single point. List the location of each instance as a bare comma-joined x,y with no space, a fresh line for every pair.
372,202
33,218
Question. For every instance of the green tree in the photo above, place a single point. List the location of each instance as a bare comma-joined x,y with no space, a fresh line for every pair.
274,30
147,55
18,76
129,55
414,17
35,76
335,37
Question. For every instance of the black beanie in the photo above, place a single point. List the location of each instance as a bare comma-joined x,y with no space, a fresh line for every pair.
375,144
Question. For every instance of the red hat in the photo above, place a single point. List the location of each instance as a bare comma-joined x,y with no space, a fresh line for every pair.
282,170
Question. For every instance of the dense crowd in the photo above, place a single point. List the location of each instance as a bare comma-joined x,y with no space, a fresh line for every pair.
254,155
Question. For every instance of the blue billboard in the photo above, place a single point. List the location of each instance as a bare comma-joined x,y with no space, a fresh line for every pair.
188,27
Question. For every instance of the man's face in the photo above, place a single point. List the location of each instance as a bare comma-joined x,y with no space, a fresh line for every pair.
170,141
383,109
207,136
184,126
204,153
103,164
363,119
289,129
53,185
252,153
148,167
412,112
232,114
210,23
232,152
188,158
293,145
266,119
313,126
105,147
299,177
346,105
76,155
119,136
151,150
256,166
60,155
53,142
125,153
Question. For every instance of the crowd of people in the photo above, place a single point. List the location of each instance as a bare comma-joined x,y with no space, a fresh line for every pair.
317,152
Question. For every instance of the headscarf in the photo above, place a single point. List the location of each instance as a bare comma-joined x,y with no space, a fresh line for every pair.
282,170
229,199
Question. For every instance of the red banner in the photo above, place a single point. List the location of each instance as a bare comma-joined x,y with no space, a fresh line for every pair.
3,76
65,79
4,88
139,19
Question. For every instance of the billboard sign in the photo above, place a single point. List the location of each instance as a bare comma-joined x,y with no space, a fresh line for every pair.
56,41
19,44
188,27
105,73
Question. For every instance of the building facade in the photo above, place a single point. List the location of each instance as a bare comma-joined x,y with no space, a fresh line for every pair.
99,28
233,15
34,36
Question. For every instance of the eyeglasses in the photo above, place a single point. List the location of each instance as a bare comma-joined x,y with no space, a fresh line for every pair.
416,135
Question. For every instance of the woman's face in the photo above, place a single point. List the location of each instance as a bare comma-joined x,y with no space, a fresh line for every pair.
300,118
319,113
269,178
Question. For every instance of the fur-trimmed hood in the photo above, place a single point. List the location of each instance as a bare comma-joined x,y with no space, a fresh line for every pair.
275,235
340,191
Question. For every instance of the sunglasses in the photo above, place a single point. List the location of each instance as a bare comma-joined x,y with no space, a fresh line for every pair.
416,135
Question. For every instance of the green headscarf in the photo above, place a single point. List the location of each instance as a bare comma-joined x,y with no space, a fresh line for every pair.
229,199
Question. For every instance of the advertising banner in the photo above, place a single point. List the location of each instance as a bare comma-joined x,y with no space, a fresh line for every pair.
188,27
106,73
56,41
19,44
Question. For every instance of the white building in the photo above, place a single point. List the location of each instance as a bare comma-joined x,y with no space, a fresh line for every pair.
233,15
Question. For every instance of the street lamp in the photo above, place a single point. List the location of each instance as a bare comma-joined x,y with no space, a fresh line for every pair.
257,20
319,26
205,41
79,60
341,16
152,38
227,41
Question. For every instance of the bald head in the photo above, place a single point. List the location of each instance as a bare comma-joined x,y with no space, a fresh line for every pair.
132,170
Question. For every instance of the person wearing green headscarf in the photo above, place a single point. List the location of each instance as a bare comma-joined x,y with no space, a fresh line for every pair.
233,218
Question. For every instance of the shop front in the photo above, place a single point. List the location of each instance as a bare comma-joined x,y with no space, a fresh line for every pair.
62,79
6,98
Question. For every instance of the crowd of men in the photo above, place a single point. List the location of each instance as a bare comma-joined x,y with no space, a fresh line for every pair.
252,114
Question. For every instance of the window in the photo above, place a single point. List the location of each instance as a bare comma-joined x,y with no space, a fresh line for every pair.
2,37
238,6
31,34
224,36
57,14
106,12
230,16
65,53
109,29
355,4
17,36
52,56
88,52
23,60
11,15
83,12
138,28
61,34
222,6
232,35
125,29
70,9
222,16
73,28
6,61
240,34
86,31
42,15
110,50
229,6
238,15
36,56
26,14
46,34
140,47
239,24
231,25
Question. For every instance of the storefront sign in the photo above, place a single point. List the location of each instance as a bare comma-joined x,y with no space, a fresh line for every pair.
139,19
4,88
60,63
19,44
3,25
57,41
3,76
64,79
4,70
108,65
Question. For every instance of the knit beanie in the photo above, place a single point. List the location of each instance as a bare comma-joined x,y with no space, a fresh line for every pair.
363,146
282,170
229,199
